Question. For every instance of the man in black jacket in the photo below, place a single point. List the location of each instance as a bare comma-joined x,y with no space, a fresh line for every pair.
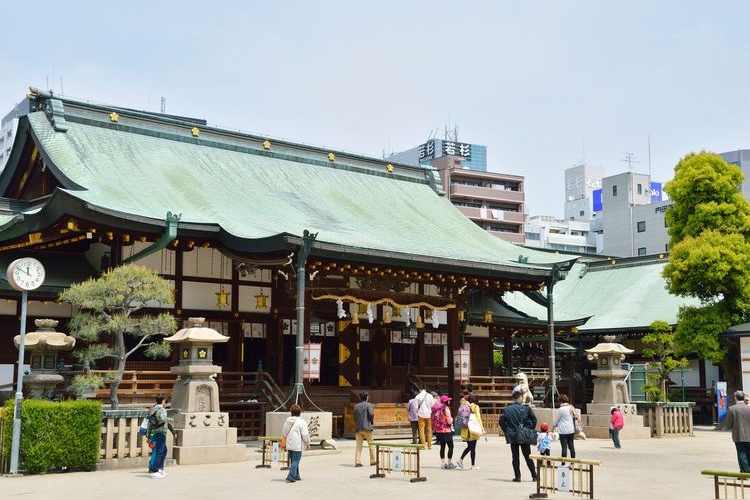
515,416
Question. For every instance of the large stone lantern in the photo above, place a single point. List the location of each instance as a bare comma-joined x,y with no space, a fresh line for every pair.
44,344
203,431
610,389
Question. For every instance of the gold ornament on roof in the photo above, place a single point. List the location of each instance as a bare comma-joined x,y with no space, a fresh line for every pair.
389,168
195,131
266,145
331,157
114,117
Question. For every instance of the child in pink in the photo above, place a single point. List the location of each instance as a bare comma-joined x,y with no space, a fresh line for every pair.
616,423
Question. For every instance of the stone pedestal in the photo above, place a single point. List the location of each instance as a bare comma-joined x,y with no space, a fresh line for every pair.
319,423
205,438
203,432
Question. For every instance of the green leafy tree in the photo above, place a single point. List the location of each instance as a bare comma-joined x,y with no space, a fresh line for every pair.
709,228
659,346
106,305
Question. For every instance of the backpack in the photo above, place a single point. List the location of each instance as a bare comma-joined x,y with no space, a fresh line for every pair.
437,416
462,416
153,420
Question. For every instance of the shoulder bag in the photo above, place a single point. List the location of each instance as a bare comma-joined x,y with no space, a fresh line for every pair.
577,424
525,435
283,439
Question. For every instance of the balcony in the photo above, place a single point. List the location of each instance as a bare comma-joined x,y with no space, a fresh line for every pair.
515,218
489,194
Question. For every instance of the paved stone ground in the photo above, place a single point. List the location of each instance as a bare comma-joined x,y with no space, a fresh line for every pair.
644,468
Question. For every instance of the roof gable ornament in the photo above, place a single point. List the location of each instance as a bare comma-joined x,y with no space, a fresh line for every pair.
53,108
114,117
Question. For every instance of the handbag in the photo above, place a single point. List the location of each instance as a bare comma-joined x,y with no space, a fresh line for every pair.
474,426
526,435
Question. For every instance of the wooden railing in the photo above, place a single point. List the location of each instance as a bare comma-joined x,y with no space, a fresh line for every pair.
736,484
668,419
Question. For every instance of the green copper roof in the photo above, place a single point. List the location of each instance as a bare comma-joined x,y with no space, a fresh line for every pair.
620,296
143,169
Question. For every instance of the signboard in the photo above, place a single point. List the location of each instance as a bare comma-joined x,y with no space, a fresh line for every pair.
311,361
564,479
428,151
596,196
655,192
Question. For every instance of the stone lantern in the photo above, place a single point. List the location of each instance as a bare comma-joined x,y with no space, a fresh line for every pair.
44,345
204,435
610,389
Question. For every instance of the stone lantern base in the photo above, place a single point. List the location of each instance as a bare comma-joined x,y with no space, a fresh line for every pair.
205,437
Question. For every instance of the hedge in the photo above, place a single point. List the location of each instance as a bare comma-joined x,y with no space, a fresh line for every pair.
62,436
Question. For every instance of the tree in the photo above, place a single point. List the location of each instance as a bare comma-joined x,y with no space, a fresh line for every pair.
709,228
106,305
659,346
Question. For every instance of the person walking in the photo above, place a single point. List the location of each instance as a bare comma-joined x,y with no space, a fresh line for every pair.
411,408
616,423
364,414
467,434
157,431
425,401
564,425
442,425
738,420
297,439
515,416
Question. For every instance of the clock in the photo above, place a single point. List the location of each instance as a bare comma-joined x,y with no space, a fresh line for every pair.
25,274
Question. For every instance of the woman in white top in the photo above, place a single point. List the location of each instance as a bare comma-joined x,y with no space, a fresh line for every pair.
564,425
297,439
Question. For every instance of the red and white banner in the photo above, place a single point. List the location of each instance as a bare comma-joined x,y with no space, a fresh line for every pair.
311,361
462,364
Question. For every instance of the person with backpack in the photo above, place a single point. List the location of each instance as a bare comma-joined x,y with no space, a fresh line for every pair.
442,425
425,401
466,410
158,426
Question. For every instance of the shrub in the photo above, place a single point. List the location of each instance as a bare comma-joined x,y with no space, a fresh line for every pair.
56,436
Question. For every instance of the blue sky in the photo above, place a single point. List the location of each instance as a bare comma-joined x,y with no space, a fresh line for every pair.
543,84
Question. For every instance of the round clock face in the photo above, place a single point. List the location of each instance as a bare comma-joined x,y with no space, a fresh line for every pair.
26,273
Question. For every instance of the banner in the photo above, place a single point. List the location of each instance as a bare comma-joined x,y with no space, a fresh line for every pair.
311,361
721,401
462,364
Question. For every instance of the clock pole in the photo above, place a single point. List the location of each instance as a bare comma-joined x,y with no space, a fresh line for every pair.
15,446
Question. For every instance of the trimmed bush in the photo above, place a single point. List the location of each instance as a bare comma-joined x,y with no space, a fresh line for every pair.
56,436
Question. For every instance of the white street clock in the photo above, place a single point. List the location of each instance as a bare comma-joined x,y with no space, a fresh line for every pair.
25,274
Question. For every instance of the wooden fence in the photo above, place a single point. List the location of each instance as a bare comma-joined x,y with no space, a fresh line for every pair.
668,419
121,443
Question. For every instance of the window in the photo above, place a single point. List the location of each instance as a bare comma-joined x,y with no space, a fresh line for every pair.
580,214
614,190
639,188
641,226
642,251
